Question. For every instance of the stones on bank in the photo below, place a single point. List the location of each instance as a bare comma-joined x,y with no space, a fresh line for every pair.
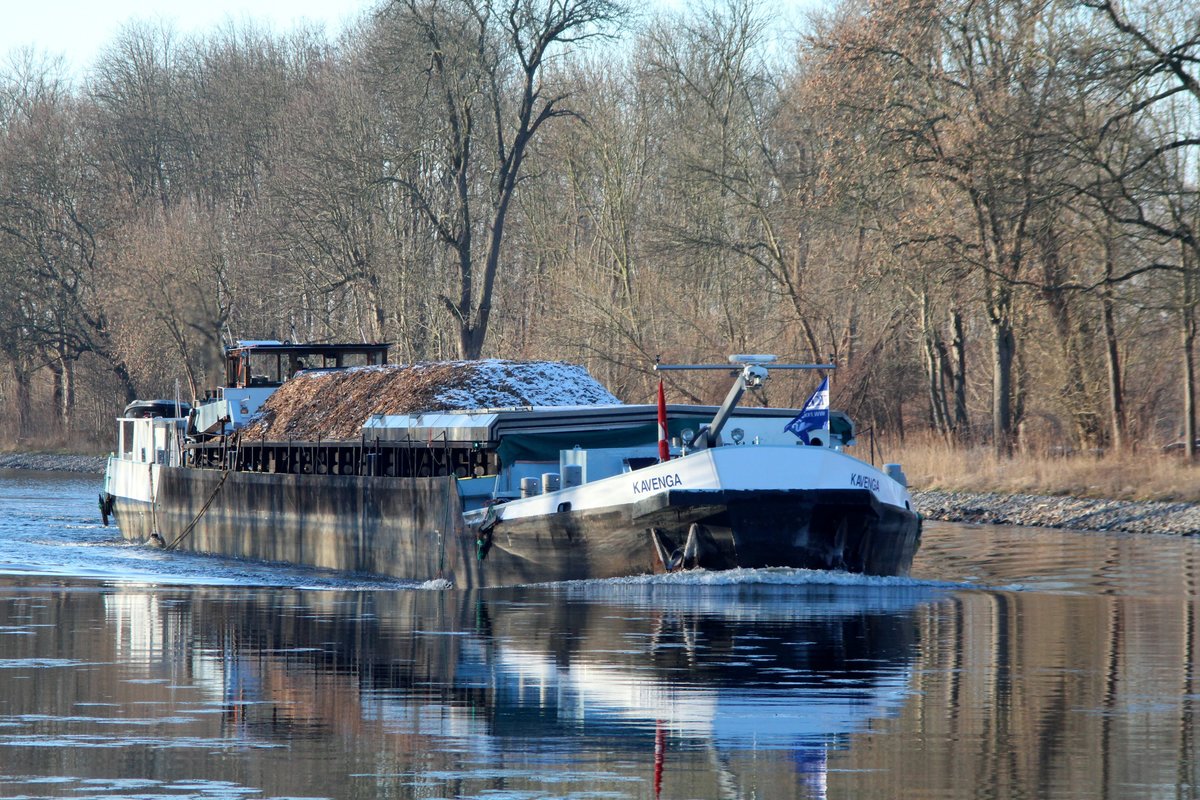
1180,519
53,462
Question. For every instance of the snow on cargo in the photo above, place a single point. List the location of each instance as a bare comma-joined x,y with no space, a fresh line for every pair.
333,404
500,384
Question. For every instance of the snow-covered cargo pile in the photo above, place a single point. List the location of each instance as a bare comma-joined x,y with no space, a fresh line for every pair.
334,404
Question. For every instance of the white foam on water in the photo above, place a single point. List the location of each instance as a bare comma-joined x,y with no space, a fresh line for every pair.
45,663
436,585
760,593
774,576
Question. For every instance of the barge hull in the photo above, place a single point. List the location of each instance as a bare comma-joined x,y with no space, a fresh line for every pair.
413,529
403,528
809,529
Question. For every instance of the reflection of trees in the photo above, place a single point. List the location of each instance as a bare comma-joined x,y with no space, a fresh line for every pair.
1045,695
1022,692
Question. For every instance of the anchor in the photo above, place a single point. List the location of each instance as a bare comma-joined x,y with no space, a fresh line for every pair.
686,557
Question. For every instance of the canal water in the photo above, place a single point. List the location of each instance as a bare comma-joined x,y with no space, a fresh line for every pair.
1014,663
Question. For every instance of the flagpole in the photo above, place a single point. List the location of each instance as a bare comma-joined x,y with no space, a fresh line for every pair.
664,447
815,414
828,375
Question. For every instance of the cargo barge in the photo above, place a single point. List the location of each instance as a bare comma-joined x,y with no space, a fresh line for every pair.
495,473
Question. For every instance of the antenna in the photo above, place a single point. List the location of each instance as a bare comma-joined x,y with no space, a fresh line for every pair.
745,359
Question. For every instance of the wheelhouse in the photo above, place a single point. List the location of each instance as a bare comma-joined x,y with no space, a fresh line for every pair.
270,363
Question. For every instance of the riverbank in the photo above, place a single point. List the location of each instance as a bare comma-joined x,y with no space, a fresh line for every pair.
53,462
1076,513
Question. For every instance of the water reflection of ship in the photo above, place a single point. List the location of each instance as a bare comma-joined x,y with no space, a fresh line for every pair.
699,675
729,672
794,669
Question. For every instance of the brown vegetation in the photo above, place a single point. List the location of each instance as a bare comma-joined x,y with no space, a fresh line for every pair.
986,212
933,464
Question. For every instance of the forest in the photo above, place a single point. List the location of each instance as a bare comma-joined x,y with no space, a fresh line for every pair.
985,212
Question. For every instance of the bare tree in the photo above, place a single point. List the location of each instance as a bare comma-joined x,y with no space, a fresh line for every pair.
746,171
53,215
966,92
484,63
1154,187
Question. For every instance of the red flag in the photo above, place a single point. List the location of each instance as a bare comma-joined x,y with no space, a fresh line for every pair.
660,756
664,448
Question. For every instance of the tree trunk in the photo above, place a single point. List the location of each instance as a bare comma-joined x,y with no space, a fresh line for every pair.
1003,351
127,386
68,406
935,381
1189,382
1003,347
1084,418
1112,359
23,379
465,342
63,395
934,374
1112,352
57,394
958,377
1187,317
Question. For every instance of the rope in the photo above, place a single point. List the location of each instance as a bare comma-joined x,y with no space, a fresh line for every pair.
447,522
153,498
203,508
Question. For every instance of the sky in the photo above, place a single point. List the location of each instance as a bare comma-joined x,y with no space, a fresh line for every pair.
80,29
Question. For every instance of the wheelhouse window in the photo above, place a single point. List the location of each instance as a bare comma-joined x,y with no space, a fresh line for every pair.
272,363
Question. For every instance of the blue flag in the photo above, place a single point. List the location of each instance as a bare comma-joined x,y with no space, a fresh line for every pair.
814,415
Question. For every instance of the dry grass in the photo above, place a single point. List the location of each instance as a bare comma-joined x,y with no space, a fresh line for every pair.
932,464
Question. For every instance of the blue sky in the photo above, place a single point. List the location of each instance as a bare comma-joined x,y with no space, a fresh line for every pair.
79,29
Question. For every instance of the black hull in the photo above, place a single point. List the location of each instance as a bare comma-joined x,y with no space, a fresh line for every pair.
810,529
413,529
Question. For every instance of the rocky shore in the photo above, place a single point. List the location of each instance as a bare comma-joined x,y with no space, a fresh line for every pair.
53,462
1180,519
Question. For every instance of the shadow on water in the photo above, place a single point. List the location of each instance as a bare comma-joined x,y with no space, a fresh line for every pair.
511,693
